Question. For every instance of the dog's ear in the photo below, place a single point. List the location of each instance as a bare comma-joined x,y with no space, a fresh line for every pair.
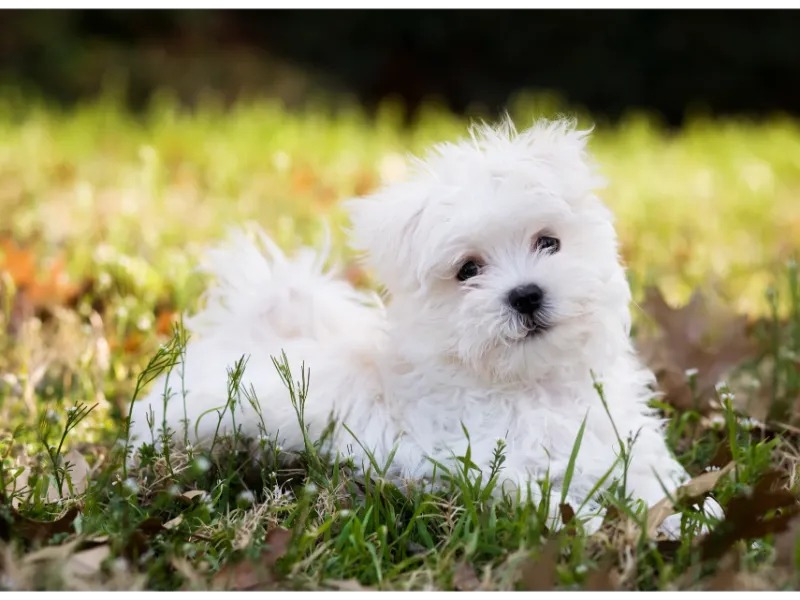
385,230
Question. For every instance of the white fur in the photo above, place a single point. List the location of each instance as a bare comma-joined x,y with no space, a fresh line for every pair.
444,352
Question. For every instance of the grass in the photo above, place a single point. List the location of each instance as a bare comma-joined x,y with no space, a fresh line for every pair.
105,216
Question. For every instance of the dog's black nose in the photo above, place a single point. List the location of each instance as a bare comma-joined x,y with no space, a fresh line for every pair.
526,299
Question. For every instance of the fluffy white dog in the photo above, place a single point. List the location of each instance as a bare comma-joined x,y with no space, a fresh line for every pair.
508,306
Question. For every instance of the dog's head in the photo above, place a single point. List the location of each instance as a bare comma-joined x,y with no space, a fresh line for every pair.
498,255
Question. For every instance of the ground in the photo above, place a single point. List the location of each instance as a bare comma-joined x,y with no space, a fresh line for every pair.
105,214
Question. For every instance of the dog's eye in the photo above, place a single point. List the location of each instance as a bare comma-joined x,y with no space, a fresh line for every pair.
468,270
548,244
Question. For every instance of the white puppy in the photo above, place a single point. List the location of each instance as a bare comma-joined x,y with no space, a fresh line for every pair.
507,304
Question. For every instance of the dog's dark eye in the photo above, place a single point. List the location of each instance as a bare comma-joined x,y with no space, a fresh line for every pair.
468,270
548,244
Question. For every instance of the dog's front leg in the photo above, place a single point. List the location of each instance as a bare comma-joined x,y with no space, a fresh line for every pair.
654,474
520,487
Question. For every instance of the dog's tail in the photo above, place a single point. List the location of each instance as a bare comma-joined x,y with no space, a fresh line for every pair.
258,291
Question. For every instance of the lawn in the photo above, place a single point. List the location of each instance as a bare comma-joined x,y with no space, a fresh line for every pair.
104,214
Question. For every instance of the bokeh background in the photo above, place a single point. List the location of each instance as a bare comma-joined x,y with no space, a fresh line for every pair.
130,140
673,63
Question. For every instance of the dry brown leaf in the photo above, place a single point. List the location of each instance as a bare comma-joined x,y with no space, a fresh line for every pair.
786,546
97,540
604,579
173,523
345,585
711,340
540,575
164,320
277,541
192,579
465,579
37,292
693,490
365,182
567,513
18,263
87,562
192,494
242,577
567,517
33,530
55,553
138,542
745,517
304,179
256,575
151,525
78,472
17,487
726,577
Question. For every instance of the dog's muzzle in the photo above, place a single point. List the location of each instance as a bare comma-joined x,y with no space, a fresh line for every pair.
528,301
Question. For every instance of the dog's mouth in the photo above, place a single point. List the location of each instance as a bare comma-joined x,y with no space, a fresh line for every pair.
536,331
535,328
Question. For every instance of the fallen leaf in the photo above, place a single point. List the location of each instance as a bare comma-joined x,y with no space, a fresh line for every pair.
277,541
539,575
18,263
151,526
567,514
91,542
668,549
132,342
17,484
78,471
32,530
192,494
241,577
746,517
303,179
173,523
465,579
138,541
722,456
726,577
87,562
192,579
365,182
604,579
710,340
164,320
37,292
691,492
568,518
786,546
345,585
259,574
612,515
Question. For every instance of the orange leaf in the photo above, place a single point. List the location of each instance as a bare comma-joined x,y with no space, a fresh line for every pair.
365,183
303,180
18,263
164,320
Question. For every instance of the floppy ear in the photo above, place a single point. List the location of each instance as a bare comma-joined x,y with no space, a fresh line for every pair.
385,231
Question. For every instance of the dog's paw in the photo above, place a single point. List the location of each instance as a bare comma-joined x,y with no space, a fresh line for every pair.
671,527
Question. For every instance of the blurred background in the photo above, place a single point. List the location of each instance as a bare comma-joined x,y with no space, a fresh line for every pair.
671,63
